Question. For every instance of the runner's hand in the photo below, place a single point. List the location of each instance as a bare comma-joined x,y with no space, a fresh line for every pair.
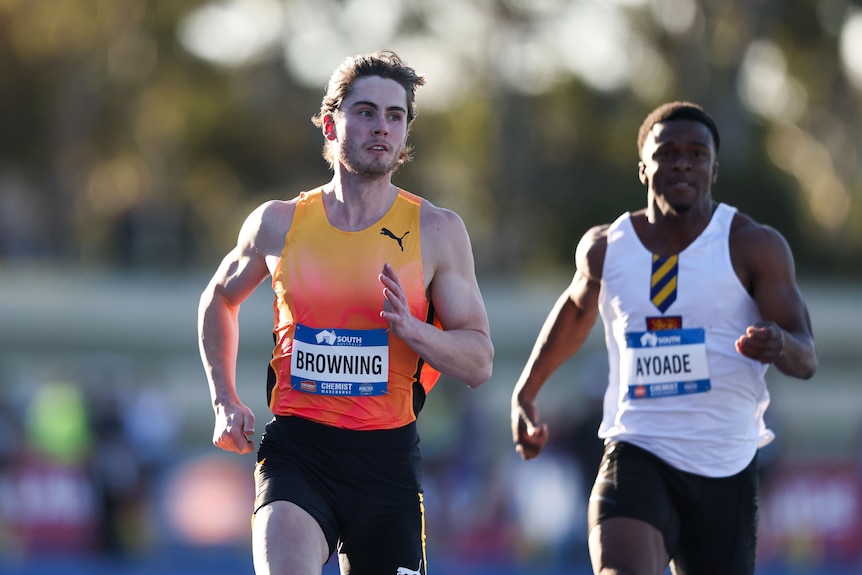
396,308
529,437
763,341
234,427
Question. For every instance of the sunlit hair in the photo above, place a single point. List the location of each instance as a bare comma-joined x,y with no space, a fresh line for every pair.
385,64
677,111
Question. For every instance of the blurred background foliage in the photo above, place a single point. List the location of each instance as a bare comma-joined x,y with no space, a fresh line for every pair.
139,134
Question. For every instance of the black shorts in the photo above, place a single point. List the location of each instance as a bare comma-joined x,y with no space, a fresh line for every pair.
709,524
362,487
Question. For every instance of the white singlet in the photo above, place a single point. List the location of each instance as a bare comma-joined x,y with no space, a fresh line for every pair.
685,395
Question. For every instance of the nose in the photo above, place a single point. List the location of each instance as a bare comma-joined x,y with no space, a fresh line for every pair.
380,127
682,162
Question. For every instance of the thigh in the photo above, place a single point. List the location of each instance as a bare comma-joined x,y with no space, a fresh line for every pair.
286,539
382,515
293,472
390,542
719,525
626,545
633,522
632,483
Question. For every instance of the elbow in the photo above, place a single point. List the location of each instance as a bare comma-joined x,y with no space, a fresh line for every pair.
810,364
204,304
800,370
208,297
479,377
213,304
204,301
811,369
482,371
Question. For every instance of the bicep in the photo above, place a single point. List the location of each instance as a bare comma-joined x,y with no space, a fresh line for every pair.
583,292
589,263
244,267
773,283
578,309
237,277
453,289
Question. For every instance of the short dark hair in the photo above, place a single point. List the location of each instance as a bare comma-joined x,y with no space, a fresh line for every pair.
677,111
386,64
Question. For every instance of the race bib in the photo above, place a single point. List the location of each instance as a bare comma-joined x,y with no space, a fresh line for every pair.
665,363
340,361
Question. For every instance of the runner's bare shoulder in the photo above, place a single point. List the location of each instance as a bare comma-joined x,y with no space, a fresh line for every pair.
266,227
590,253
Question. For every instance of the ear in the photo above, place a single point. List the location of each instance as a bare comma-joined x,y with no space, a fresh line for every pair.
714,172
642,173
329,127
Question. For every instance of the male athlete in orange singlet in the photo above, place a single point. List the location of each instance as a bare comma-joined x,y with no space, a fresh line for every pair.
375,296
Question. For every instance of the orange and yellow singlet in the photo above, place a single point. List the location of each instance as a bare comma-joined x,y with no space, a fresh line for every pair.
334,361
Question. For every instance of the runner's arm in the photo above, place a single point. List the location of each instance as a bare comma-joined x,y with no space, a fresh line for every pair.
564,332
784,337
463,348
238,275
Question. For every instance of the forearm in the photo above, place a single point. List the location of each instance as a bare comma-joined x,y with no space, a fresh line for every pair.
463,354
561,336
798,357
218,341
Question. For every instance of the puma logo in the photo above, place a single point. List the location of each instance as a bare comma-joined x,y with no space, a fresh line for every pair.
405,570
386,232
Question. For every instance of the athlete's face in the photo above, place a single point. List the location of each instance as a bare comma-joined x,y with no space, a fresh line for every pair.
371,127
678,165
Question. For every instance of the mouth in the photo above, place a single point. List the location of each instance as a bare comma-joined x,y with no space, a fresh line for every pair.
681,185
379,148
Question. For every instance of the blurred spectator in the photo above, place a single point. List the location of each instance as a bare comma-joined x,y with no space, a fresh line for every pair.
812,515
548,504
46,496
467,508
133,430
118,480
77,466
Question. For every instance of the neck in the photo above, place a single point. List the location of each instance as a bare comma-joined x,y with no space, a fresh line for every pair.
353,202
661,213
670,231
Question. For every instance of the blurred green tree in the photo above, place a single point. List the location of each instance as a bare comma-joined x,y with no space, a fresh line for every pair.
139,134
